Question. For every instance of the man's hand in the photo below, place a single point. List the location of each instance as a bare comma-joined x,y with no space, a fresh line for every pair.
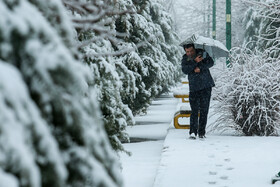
197,70
198,59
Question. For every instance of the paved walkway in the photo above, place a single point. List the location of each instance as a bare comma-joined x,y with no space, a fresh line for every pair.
147,138
174,160
225,161
219,160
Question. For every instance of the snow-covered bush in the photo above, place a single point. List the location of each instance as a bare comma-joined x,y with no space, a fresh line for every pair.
155,65
29,154
116,115
49,108
249,94
96,36
126,78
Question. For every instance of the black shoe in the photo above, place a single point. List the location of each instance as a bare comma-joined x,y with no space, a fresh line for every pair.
276,178
202,136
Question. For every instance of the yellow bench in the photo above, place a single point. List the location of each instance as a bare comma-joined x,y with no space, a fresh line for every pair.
185,82
184,97
184,112
181,114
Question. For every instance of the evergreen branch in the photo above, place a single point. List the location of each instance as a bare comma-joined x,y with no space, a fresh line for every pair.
116,53
100,37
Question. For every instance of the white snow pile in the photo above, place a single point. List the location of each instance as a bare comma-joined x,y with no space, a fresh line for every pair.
181,91
185,108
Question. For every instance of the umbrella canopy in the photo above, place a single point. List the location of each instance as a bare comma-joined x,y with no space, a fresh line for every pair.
213,47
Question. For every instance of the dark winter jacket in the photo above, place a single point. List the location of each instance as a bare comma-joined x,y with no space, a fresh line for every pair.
198,81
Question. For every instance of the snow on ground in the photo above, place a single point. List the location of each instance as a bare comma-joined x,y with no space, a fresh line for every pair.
139,170
219,160
154,124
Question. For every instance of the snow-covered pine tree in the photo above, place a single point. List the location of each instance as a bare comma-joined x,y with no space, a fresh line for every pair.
29,153
129,24
62,135
108,83
94,23
171,40
252,24
131,62
170,7
168,57
155,65
135,94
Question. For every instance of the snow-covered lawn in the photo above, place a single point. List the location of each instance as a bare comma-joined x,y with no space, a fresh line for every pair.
219,160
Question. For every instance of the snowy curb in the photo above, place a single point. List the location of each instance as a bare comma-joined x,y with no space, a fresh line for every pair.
164,157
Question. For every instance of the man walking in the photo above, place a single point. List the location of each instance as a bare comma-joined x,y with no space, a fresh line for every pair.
196,64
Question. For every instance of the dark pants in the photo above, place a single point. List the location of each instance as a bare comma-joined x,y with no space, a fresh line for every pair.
199,102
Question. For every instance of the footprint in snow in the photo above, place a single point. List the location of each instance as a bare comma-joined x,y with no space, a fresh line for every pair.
230,168
212,182
212,173
165,148
224,177
227,159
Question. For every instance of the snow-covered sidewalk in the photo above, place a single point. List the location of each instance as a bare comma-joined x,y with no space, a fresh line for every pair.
219,160
147,136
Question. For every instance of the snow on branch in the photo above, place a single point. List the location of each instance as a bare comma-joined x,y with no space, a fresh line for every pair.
116,53
270,4
249,94
266,9
97,16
